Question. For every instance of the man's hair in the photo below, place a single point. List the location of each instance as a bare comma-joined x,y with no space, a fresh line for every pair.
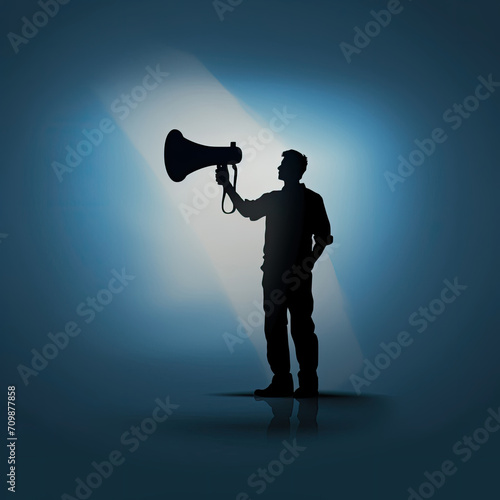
298,158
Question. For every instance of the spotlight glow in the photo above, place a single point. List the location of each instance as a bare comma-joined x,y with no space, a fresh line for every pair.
193,101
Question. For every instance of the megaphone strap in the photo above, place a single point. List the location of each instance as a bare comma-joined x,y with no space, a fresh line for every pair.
235,168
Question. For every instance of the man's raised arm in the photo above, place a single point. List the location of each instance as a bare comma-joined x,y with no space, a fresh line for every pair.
251,209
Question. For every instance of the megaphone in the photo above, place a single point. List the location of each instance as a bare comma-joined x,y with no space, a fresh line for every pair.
183,157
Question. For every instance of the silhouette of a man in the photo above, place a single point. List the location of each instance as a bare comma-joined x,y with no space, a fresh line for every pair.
294,216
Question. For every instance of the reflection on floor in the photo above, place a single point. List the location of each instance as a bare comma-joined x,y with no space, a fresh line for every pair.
216,446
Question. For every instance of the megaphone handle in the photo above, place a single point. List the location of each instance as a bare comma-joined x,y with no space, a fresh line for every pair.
224,193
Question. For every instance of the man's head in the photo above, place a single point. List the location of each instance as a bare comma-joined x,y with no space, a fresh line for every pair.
292,166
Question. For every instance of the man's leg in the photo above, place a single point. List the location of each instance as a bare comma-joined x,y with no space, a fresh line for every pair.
278,353
301,303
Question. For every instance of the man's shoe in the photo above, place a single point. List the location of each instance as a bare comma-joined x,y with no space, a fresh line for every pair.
280,387
308,384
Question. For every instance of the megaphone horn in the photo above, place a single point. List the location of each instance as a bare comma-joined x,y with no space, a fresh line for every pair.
182,156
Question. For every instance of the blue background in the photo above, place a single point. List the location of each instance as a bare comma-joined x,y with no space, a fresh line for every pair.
396,248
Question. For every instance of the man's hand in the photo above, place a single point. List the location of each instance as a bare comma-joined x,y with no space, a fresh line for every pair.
222,175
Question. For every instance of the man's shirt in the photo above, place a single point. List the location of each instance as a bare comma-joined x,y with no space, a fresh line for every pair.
293,216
